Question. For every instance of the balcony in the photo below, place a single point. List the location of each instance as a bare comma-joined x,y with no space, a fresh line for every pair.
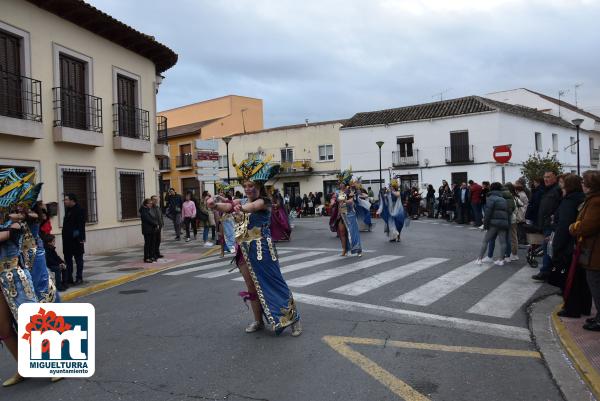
161,148
164,164
184,162
403,161
462,154
296,167
595,157
77,118
20,106
131,128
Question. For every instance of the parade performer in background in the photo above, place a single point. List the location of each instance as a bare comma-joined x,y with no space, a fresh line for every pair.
280,224
345,221
391,211
15,276
362,206
256,257
226,223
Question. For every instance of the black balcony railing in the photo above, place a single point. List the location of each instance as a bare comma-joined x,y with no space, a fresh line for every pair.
399,159
184,160
20,97
595,156
164,164
77,110
161,129
459,154
131,122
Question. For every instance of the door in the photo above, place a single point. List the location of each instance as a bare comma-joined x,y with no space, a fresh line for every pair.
409,181
292,189
459,146
11,98
72,93
190,185
126,93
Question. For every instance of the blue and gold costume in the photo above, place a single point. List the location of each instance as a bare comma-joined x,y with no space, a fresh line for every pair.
391,212
257,250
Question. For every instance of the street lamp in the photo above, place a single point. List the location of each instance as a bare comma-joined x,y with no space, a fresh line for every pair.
577,122
227,139
380,144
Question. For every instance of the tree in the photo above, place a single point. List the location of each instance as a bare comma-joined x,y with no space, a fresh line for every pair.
536,165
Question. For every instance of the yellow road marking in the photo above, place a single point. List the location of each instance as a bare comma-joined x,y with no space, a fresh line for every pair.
397,386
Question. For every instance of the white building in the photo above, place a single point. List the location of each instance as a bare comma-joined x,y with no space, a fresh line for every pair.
556,107
454,140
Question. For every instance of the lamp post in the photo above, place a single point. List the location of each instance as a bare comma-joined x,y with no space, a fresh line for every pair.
577,122
380,144
227,139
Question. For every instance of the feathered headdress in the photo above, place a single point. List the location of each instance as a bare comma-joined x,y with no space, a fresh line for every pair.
223,187
255,169
345,177
16,189
394,184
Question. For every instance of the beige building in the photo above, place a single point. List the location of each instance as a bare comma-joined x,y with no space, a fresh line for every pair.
215,118
308,154
78,104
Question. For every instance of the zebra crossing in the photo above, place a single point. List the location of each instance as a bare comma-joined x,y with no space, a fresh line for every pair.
305,267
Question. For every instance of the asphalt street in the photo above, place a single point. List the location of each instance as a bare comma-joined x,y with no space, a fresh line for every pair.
414,320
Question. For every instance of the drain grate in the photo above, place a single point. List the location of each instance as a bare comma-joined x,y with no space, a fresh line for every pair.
127,292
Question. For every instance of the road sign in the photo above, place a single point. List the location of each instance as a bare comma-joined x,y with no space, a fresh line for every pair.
208,163
208,178
210,144
502,153
207,155
207,171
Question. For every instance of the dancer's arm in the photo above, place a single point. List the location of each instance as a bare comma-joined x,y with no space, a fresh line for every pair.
251,207
221,207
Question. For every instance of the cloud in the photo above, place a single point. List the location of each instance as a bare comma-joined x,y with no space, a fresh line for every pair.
330,59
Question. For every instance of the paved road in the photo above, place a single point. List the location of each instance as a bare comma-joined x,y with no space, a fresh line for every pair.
416,320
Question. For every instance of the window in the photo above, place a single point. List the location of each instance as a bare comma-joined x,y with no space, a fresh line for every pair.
255,154
460,151
538,142
405,146
184,159
573,144
287,155
325,152
554,142
131,193
129,119
222,161
72,92
82,183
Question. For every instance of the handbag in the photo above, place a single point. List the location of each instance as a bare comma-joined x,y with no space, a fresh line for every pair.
572,269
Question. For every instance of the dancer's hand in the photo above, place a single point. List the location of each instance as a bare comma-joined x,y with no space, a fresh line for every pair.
210,203
237,208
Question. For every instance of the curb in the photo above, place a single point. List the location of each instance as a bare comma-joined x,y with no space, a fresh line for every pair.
125,279
562,369
580,361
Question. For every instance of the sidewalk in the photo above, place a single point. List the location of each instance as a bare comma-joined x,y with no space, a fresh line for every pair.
571,353
101,271
582,346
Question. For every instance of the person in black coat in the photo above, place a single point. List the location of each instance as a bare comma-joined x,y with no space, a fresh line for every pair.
73,239
150,227
579,300
463,203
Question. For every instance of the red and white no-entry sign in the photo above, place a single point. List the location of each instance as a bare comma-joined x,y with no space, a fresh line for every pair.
502,153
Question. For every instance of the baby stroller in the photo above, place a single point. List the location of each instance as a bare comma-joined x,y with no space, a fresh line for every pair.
535,239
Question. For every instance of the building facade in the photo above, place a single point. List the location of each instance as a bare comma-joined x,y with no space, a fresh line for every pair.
454,140
78,104
309,155
559,108
210,119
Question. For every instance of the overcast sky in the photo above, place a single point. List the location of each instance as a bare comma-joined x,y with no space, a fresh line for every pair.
328,59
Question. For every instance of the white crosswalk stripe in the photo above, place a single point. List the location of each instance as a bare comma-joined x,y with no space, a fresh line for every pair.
507,298
284,259
225,262
378,280
340,271
303,265
440,287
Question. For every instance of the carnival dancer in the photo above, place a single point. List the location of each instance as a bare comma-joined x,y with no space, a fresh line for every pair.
15,277
226,223
363,207
346,224
257,258
280,223
391,211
